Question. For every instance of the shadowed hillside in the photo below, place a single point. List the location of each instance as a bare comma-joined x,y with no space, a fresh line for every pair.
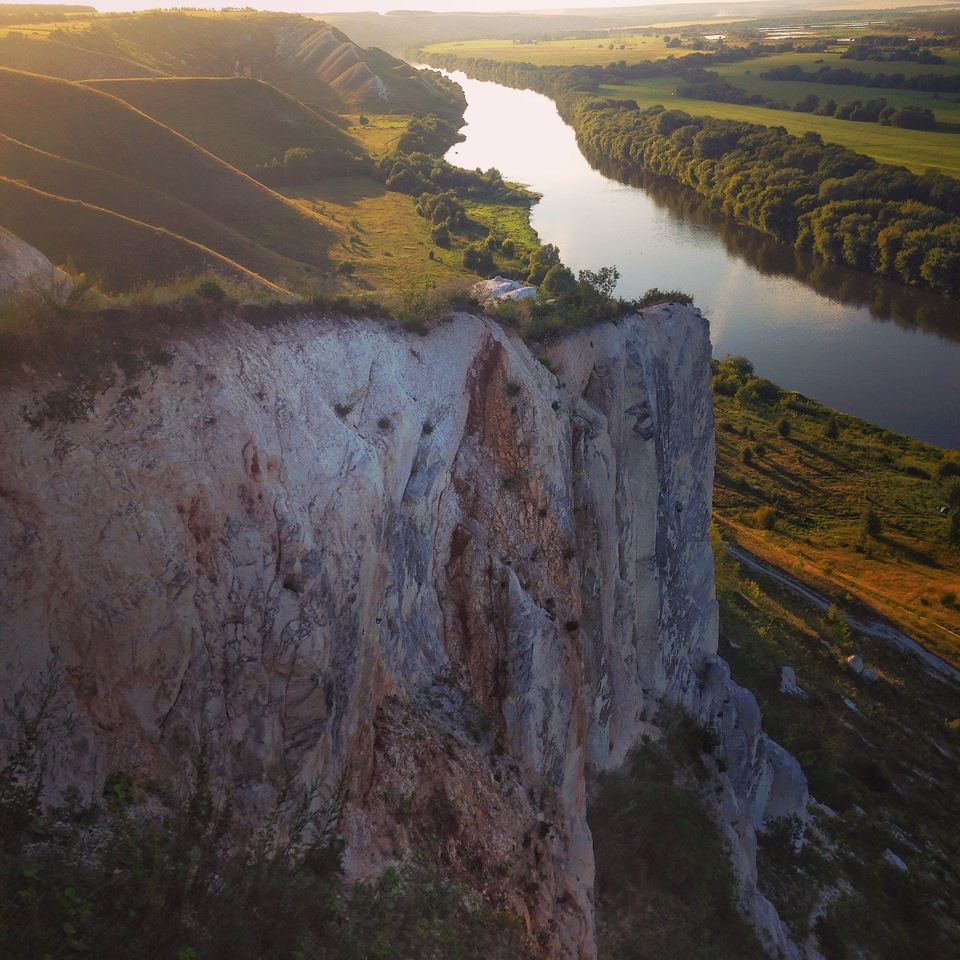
245,122
93,238
57,176
66,61
156,174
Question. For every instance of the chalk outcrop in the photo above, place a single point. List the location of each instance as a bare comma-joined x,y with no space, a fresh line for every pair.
24,268
501,288
431,566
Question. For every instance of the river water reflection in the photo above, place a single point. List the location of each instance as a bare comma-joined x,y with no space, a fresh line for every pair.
867,347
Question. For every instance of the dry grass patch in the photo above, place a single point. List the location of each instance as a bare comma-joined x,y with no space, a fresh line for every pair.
821,488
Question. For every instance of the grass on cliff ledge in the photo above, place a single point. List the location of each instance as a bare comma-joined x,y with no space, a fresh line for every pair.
856,512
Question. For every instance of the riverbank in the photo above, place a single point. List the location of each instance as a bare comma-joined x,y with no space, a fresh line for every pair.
799,190
869,347
867,518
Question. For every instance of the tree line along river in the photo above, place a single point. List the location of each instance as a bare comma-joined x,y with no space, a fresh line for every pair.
868,347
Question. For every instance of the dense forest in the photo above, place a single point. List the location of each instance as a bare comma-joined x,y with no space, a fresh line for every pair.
817,196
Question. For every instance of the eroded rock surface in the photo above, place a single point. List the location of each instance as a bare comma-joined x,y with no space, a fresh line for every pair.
427,565
24,268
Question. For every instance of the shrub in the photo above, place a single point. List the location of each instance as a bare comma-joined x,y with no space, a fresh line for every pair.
654,296
870,523
478,259
953,533
838,627
948,468
952,493
765,518
209,288
558,280
766,389
783,427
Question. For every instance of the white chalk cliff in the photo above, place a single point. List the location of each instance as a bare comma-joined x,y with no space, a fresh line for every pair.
332,548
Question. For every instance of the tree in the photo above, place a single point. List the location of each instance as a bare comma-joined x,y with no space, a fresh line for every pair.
602,281
478,259
558,280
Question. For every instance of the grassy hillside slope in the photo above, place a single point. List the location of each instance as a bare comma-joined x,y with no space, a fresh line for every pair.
304,57
88,127
848,507
58,176
66,61
855,512
118,252
243,121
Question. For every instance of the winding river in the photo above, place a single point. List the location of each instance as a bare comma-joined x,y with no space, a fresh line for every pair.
862,345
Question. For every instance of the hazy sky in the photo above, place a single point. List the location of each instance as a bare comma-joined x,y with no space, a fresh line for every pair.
381,6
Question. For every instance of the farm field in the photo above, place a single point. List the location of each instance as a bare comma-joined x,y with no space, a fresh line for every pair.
916,150
633,48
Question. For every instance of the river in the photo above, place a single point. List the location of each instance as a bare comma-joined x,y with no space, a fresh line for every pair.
862,345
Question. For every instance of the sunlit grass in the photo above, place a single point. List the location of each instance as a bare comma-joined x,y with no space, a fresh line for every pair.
384,245
631,47
380,134
819,486
916,150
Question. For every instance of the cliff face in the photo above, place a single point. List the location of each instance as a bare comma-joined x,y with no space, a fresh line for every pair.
426,566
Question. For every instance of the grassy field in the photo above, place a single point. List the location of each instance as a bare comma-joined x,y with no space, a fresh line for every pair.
632,47
383,240
916,150
798,501
379,136
386,247
746,76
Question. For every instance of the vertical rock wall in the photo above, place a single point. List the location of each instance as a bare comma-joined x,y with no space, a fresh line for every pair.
430,566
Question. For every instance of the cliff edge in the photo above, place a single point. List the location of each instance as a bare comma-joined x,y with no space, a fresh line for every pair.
430,568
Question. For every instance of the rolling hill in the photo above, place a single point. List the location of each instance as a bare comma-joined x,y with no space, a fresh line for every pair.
311,60
117,252
58,176
64,60
243,121
143,170
168,131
